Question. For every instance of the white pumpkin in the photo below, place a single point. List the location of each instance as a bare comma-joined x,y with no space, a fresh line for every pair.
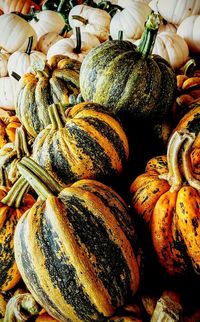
67,46
47,40
3,64
189,29
14,33
130,21
175,11
167,27
92,20
171,47
47,21
7,93
20,62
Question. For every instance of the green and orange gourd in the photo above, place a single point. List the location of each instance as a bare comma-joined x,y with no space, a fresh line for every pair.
76,248
87,142
167,197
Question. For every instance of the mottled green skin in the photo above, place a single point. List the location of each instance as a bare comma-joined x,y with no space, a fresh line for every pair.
115,75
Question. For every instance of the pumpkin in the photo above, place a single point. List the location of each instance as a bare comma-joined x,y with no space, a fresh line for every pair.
47,21
172,48
45,317
89,143
47,40
188,30
76,274
22,6
11,154
171,207
130,21
3,303
14,202
8,126
3,64
20,62
52,83
7,93
75,47
127,80
176,11
21,307
92,20
15,32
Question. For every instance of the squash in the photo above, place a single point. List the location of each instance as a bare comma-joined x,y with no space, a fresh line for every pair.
7,93
14,202
131,21
170,207
75,47
188,30
128,81
47,21
3,64
21,307
15,33
45,317
172,48
8,126
11,154
47,40
20,62
22,6
92,20
89,143
76,274
176,11
52,83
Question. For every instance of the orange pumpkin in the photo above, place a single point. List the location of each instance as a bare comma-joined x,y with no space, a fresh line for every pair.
8,127
23,6
167,197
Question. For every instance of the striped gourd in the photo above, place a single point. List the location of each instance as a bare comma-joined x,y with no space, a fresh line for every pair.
128,81
89,143
13,203
76,249
51,84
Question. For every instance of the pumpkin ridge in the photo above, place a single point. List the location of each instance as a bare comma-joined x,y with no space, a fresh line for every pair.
43,100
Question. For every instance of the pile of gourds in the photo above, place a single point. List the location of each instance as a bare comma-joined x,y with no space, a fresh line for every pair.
99,160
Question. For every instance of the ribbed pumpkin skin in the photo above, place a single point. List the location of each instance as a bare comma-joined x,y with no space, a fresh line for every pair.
115,75
77,256
9,216
36,92
92,144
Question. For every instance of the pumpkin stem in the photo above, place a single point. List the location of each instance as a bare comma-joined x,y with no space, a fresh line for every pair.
148,38
174,176
57,116
81,19
29,46
38,178
188,68
60,6
77,49
4,177
21,307
21,145
187,164
120,35
16,193
15,76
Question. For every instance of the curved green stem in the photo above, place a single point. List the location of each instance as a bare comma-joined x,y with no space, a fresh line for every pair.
120,35
77,49
15,195
16,76
21,145
61,5
29,46
148,38
38,178
57,117
4,177
81,19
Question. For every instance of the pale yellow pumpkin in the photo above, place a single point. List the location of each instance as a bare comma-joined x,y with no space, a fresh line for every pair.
92,20
189,30
67,46
48,40
47,21
14,33
3,64
130,21
7,93
175,11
